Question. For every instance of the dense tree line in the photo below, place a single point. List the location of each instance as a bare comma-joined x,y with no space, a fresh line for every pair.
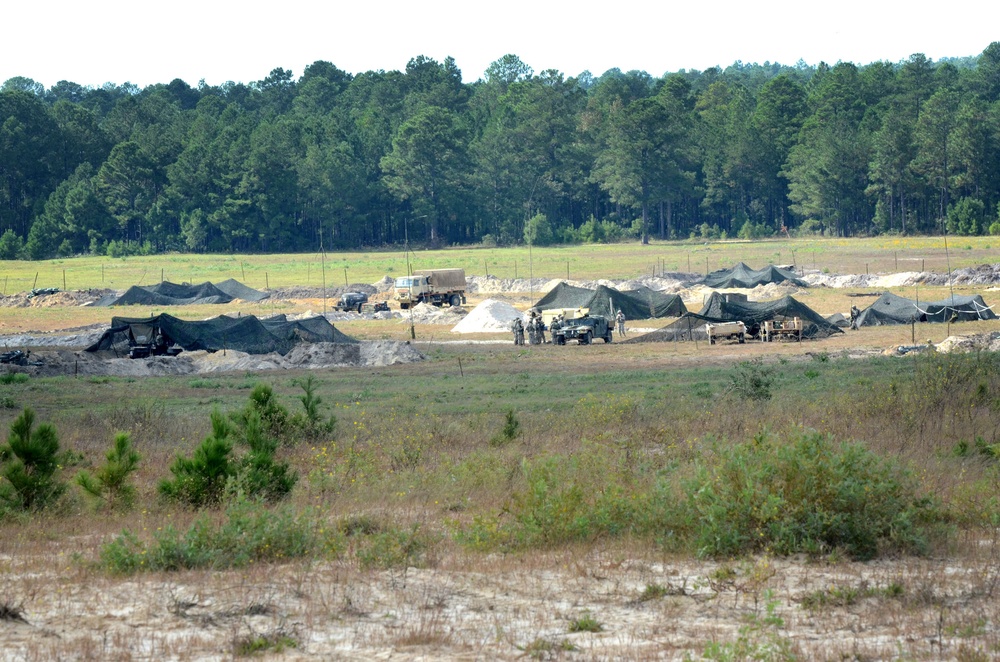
344,161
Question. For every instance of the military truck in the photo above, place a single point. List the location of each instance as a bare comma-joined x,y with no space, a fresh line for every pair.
434,286
351,301
583,328
726,331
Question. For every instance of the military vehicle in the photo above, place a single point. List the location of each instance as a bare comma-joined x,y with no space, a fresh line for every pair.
375,307
726,331
15,357
145,340
583,329
433,286
351,301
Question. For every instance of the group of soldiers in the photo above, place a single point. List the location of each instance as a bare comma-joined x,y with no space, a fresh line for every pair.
535,329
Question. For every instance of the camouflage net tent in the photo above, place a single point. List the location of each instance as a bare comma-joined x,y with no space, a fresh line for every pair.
245,334
743,276
721,308
892,309
639,304
172,294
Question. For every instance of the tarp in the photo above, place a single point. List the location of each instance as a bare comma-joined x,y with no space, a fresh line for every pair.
743,276
893,309
173,294
720,308
642,303
246,333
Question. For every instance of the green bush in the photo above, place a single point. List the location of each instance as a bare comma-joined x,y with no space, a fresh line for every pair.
204,479
811,495
394,548
510,431
109,484
309,421
248,534
752,380
29,462
200,480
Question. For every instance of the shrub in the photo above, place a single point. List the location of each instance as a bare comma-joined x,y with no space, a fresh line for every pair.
811,495
29,462
394,548
110,482
310,421
248,534
510,431
200,480
752,380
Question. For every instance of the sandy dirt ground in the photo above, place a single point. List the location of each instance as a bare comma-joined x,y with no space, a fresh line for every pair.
512,608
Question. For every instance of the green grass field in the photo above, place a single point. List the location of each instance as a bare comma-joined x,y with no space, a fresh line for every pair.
617,261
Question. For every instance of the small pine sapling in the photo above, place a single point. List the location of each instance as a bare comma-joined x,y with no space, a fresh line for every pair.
310,421
28,463
109,484
200,480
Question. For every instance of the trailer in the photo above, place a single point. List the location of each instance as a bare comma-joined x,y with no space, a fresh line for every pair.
791,329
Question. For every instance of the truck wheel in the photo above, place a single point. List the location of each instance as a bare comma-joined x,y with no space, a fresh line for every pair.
456,300
743,338
711,340
404,306
585,338
607,338
359,308
559,340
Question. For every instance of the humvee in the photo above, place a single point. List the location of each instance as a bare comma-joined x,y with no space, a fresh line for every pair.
351,301
584,329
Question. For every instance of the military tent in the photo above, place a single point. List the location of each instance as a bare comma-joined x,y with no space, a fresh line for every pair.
720,308
245,333
743,276
642,303
173,294
893,309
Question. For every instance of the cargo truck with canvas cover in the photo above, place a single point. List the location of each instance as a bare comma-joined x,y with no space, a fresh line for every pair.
434,286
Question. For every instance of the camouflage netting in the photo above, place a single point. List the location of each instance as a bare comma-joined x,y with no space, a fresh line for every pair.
246,333
721,308
892,309
642,303
172,294
744,277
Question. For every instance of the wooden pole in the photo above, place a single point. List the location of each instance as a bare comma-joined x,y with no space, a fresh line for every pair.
267,283
242,271
35,284
346,284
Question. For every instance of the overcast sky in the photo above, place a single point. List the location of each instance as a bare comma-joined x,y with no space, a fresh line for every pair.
119,41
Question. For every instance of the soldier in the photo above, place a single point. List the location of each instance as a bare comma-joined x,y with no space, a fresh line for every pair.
532,328
518,328
855,313
620,318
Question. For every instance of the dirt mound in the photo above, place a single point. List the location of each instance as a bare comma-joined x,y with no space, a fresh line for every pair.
425,313
488,317
51,363
63,298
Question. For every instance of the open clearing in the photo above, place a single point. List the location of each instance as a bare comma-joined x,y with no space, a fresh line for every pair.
423,428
